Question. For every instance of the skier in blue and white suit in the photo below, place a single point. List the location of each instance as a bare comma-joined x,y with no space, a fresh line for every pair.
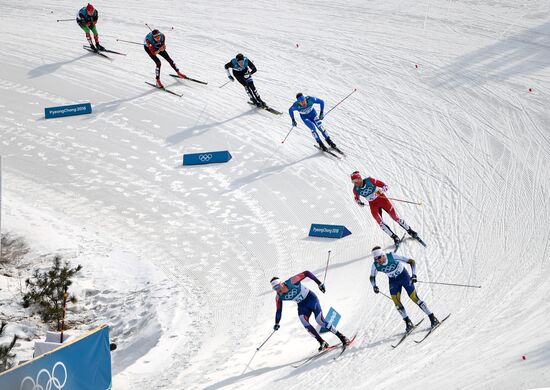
393,265
304,105
308,303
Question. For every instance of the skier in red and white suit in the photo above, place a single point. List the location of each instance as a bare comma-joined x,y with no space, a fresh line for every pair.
373,190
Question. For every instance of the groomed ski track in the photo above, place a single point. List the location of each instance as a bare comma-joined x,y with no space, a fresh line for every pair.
459,132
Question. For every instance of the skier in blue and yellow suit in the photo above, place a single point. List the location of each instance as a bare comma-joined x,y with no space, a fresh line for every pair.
304,105
392,265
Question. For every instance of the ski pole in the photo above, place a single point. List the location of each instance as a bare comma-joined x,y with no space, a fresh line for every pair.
283,141
135,43
380,292
326,268
223,85
268,337
150,29
257,349
450,284
340,102
405,201
66,20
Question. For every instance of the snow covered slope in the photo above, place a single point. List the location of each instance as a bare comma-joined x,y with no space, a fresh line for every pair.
443,114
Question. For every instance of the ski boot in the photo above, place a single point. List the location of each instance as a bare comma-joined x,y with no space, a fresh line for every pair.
322,146
396,241
435,322
412,233
159,84
99,47
181,75
409,325
92,46
330,143
343,339
322,345
261,103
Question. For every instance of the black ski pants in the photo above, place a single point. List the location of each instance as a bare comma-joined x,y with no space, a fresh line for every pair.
248,85
164,55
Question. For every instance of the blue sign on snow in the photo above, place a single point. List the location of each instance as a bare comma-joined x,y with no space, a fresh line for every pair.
333,318
330,231
206,158
75,109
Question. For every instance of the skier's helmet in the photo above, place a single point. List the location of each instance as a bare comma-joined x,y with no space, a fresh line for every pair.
89,8
378,254
239,57
301,98
156,33
275,283
356,176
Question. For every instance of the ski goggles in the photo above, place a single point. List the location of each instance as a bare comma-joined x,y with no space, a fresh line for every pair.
276,284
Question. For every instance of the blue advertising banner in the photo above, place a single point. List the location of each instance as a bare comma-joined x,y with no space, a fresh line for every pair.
333,318
206,158
330,231
75,109
83,364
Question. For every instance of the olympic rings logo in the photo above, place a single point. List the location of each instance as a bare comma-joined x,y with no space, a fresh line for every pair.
51,383
205,157
292,293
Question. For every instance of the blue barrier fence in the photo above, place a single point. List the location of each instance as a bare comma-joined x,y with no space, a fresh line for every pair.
74,109
206,158
329,231
83,364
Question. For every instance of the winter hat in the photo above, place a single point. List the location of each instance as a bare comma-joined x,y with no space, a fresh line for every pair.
356,176
89,8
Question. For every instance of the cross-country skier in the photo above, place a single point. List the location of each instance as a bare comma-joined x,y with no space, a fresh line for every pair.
393,265
293,290
243,69
304,105
155,44
373,190
87,19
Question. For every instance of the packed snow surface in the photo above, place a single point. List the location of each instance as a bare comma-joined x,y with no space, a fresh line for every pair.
451,110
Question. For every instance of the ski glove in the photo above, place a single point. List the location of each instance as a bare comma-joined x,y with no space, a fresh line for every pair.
413,278
276,327
321,116
322,288
294,123
231,78
376,289
360,203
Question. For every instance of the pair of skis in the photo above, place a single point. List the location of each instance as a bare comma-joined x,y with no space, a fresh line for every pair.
267,108
178,77
330,151
101,53
324,352
417,238
424,337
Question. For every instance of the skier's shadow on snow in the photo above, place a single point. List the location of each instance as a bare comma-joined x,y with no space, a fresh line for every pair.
114,104
252,373
235,185
199,129
524,53
51,68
